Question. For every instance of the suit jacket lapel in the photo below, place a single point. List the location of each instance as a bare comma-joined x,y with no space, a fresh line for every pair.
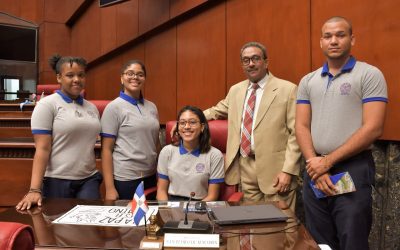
241,95
267,98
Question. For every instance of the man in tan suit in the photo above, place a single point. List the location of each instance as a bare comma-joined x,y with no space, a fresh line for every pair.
269,170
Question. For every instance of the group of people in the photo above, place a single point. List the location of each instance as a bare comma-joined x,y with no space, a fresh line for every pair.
330,120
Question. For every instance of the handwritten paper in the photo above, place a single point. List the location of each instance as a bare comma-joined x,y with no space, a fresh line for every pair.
114,216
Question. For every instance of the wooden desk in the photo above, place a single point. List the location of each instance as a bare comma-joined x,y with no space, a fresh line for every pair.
16,107
264,235
16,158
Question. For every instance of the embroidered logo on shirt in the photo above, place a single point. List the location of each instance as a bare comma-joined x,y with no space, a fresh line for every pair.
200,168
91,114
345,88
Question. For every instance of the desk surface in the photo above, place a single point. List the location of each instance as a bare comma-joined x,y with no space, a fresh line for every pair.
287,235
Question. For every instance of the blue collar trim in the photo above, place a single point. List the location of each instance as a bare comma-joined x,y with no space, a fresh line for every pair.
182,150
67,99
130,99
346,68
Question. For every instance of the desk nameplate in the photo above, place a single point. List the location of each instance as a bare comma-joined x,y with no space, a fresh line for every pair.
191,240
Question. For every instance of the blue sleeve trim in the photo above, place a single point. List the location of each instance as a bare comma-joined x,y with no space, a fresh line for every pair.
375,99
214,181
107,135
303,102
41,132
162,176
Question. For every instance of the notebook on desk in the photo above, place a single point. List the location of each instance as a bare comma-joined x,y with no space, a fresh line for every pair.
247,214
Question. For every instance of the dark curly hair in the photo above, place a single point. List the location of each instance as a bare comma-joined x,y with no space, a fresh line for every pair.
205,136
56,61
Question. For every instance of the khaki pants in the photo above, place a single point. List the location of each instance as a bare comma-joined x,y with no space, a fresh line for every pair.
251,190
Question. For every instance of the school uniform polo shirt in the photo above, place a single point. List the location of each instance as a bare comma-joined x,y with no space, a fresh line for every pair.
135,127
337,101
190,171
73,126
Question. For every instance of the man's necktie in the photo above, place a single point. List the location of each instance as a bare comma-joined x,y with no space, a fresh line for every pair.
245,145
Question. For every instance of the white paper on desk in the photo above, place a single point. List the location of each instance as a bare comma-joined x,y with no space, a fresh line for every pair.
113,216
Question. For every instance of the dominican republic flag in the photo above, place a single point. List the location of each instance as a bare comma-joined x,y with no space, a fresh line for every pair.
139,204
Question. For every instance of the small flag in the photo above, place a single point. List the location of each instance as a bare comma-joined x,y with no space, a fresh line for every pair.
139,204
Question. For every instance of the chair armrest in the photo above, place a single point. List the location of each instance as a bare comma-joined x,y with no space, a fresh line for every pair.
236,197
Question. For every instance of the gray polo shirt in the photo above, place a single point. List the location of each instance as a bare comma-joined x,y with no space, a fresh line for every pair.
337,101
134,125
74,126
190,171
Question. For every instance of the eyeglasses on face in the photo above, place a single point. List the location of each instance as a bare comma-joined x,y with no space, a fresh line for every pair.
255,59
192,123
132,74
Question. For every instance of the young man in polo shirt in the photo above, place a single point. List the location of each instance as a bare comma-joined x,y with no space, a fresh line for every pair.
346,100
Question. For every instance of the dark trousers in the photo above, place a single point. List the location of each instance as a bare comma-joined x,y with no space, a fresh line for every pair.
343,221
126,189
88,188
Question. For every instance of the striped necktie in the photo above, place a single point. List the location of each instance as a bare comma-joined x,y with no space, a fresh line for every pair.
245,144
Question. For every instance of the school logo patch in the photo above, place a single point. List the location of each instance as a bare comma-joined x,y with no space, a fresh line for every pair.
200,168
345,88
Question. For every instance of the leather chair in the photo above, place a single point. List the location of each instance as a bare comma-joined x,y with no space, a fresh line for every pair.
100,105
219,136
48,89
16,236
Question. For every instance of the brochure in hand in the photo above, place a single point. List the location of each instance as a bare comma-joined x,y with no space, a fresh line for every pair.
342,181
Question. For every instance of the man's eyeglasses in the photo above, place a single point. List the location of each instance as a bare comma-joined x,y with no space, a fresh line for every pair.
192,123
132,74
254,59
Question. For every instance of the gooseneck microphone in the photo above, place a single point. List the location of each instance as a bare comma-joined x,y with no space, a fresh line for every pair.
186,226
192,194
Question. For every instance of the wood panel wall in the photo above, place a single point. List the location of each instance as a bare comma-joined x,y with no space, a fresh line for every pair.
191,47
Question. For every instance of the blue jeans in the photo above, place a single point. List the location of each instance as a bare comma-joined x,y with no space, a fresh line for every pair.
88,188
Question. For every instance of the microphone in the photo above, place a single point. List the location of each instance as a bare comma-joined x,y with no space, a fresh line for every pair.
186,226
192,194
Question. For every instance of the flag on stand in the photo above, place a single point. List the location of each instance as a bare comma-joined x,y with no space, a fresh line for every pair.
139,204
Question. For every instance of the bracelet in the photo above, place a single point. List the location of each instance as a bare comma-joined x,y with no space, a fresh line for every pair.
35,190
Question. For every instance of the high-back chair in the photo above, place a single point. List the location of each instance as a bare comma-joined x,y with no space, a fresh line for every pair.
16,236
100,105
219,136
48,89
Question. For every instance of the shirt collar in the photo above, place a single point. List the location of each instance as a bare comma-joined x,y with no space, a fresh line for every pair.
182,150
67,99
260,83
346,68
130,99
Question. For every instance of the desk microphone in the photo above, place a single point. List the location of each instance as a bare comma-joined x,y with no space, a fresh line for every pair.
186,226
192,194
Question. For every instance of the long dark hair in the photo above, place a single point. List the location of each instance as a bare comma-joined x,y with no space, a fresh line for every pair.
204,140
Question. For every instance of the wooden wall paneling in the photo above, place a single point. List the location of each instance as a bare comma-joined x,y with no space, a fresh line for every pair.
178,7
15,177
127,23
29,10
160,86
10,7
282,26
47,77
55,40
60,11
377,39
103,81
32,10
152,13
108,31
85,34
201,59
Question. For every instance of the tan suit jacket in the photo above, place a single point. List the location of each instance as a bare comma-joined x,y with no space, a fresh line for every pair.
275,145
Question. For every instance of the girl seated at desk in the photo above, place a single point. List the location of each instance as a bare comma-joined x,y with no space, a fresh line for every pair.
190,164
